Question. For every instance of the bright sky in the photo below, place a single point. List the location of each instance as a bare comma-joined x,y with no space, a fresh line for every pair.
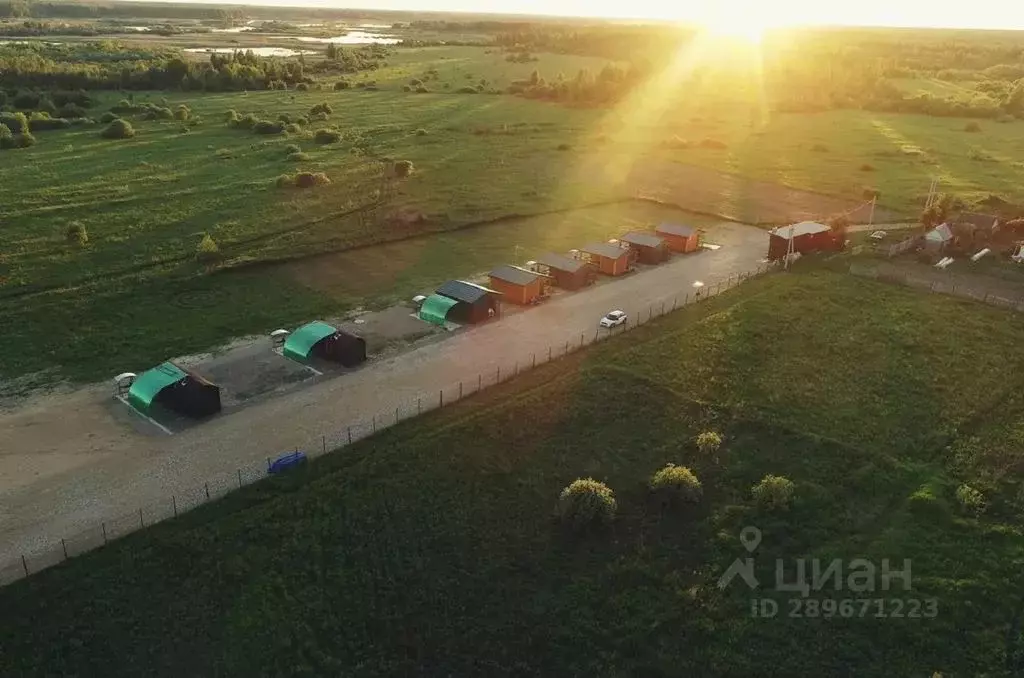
1005,14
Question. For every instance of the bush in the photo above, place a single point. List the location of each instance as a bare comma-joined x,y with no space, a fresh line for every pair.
291,148
709,443
421,90
76,233
292,128
302,87
71,111
224,153
415,82
268,127
972,127
311,179
342,84
108,118
231,117
118,129
421,132
182,113
403,168
971,500
284,180
24,140
322,107
585,503
42,121
298,156
154,112
301,121
6,137
207,251
773,492
676,484
16,122
327,136
467,90
248,121
819,148
867,168
26,100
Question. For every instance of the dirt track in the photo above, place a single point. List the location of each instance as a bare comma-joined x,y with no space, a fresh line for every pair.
72,461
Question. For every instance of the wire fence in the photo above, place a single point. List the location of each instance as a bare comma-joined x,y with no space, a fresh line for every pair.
944,282
329,442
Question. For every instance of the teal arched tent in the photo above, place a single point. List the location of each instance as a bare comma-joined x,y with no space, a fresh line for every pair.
435,309
300,343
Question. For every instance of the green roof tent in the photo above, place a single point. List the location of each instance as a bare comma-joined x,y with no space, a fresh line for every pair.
325,341
435,309
176,389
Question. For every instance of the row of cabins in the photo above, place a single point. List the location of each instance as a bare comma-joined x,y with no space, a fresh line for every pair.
465,302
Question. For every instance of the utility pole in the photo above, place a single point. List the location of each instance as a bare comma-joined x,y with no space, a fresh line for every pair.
871,218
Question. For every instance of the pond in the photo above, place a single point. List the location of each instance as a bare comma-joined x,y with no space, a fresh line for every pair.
258,51
357,38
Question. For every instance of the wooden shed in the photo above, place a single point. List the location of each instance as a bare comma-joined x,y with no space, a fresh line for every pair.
519,285
565,272
473,303
805,237
609,258
679,237
650,249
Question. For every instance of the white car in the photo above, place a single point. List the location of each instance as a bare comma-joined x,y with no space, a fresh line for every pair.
613,319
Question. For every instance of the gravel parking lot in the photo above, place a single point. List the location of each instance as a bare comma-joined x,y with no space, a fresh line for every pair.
69,462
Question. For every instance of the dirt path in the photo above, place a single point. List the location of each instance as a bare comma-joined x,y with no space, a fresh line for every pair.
70,463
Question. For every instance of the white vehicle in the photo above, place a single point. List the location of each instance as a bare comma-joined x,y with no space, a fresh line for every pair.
613,319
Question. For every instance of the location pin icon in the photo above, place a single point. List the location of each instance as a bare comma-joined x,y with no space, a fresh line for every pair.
750,537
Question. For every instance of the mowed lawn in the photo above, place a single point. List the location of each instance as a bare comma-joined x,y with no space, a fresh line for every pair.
146,202
431,549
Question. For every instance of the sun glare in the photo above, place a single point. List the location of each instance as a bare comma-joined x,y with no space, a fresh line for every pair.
736,28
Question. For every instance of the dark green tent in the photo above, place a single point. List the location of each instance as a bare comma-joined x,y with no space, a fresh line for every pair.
176,389
435,309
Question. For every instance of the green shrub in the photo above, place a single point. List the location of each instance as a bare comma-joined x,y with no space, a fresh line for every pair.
284,181
291,148
248,121
322,107
586,503
40,121
311,179
298,156
421,132
118,129
6,137
971,500
415,82
24,140
972,127
71,111
709,442
224,153
16,122
676,484
26,100
467,90
403,168
292,128
268,127
302,87
327,136
302,121
182,113
342,84
773,492
318,117
108,118
76,233
154,112
231,117
207,251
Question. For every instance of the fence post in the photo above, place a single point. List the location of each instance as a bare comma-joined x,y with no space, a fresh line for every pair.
207,491
349,435
581,339
64,545
374,422
535,359
440,398
174,503
479,381
323,439
239,478
396,414
419,404
460,389
142,523
663,308
24,564
567,348
104,526
549,353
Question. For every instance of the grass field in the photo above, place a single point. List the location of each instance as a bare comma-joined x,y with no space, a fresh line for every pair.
146,202
431,549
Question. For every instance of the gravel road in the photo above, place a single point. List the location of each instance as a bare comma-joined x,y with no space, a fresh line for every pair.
99,469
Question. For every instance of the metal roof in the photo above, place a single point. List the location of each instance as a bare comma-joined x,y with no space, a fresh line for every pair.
940,233
514,275
435,309
803,228
300,342
642,239
148,385
460,290
676,229
605,249
562,263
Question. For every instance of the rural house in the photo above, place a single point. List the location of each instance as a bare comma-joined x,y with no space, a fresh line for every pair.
519,285
176,389
472,303
609,258
650,249
567,273
679,238
806,237
320,340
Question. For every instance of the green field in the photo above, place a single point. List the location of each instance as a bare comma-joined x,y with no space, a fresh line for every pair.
147,201
431,549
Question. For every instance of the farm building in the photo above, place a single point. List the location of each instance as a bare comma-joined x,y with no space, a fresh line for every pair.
519,285
567,273
807,237
938,239
176,389
460,302
973,230
609,258
679,238
650,249
326,342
